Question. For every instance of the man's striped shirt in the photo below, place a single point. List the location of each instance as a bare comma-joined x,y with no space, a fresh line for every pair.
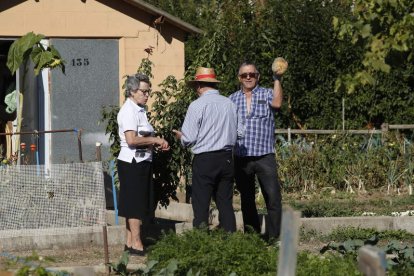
210,124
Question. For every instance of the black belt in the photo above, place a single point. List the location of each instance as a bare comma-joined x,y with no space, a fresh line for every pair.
215,151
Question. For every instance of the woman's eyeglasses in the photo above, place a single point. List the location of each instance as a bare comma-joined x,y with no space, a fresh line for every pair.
250,75
145,91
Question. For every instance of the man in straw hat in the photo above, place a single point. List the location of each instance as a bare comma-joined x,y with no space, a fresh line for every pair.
210,129
254,153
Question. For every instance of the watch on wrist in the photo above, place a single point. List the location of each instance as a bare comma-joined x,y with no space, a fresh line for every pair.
276,77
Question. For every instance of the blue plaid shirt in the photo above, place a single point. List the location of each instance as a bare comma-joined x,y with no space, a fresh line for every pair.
259,125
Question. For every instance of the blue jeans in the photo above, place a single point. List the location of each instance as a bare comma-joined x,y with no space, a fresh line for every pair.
265,168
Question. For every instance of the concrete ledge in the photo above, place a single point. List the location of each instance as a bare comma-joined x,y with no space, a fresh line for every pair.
181,212
175,211
60,241
326,225
405,223
115,235
177,217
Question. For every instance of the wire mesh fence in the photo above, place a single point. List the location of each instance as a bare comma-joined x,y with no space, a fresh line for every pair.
58,199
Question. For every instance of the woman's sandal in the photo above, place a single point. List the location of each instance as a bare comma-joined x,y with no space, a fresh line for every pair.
136,252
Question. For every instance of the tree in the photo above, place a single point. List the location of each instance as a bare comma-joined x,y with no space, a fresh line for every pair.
303,33
325,62
385,29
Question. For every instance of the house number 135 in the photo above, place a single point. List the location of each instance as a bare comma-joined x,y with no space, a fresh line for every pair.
80,62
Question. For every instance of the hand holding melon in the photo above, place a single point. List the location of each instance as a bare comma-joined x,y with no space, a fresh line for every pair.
279,66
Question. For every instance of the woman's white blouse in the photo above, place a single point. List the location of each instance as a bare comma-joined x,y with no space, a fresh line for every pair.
133,117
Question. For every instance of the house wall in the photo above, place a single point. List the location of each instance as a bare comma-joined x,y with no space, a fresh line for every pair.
133,28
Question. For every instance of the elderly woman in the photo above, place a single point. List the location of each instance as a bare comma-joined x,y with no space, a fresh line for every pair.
134,160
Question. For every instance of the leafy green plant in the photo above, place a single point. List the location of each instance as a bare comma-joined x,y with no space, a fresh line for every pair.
109,115
120,268
215,253
169,270
220,253
171,169
33,265
329,264
402,253
349,246
30,46
39,271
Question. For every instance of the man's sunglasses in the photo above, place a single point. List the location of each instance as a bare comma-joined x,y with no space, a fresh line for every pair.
250,75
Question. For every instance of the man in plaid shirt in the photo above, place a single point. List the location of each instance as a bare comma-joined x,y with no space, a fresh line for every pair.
254,151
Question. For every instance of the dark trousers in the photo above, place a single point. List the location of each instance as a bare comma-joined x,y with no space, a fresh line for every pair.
213,174
265,168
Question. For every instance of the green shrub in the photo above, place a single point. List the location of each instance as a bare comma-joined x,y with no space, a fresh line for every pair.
401,270
314,265
324,208
215,253
219,253
200,252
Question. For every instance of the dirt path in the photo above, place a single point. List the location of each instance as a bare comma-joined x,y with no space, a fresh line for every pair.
87,256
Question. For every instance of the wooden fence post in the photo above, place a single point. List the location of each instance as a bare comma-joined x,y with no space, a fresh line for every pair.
289,242
289,136
384,131
98,151
371,261
104,228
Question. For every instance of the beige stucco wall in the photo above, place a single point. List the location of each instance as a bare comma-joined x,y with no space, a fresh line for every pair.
101,19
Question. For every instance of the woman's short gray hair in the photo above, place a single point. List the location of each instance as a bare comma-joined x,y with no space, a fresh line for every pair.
132,83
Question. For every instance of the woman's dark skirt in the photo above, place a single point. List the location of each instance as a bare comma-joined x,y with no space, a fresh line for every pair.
136,196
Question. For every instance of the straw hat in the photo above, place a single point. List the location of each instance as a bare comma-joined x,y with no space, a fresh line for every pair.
204,74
